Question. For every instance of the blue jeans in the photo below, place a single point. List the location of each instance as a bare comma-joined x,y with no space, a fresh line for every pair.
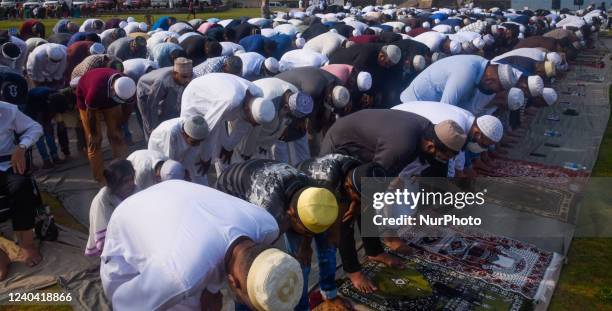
326,255
49,138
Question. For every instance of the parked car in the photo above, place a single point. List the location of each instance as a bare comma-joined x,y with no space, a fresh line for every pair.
33,3
159,3
104,4
81,2
275,4
52,4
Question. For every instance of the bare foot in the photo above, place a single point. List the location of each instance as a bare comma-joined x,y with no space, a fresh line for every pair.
32,256
362,283
4,264
388,260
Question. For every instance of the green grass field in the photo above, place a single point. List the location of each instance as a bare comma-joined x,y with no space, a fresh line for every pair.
50,22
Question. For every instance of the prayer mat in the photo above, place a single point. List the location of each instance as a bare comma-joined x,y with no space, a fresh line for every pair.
592,77
550,174
512,265
423,285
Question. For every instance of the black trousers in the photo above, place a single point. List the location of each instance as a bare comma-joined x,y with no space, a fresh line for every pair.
348,252
22,197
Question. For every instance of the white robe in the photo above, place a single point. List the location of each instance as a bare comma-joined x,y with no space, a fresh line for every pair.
168,139
325,43
167,259
41,69
144,162
301,58
102,207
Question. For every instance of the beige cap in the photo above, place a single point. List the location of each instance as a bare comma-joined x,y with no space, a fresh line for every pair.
183,65
274,281
450,134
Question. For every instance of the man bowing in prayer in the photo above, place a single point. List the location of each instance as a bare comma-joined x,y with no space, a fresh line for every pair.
232,107
194,239
159,93
303,212
104,94
454,80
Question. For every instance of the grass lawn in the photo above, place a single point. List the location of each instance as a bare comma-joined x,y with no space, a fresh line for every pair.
233,13
586,281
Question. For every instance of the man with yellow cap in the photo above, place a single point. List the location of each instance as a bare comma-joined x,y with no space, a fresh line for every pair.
302,212
343,175
194,240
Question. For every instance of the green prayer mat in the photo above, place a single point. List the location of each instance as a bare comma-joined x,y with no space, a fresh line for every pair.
426,286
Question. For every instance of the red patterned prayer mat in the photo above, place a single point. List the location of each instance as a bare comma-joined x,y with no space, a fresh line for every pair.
504,167
512,265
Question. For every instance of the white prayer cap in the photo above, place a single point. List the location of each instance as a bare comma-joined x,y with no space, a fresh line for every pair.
143,27
466,21
426,25
172,170
97,48
488,39
268,32
593,28
74,82
392,52
340,96
467,46
55,52
478,43
436,56
407,29
122,24
196,127
554,57
516,98
418,62
271,64
364,81
579,34
536,85
299,42
333,30
457,28
491,127
262,110
130,19
550,68
436,21
521,36
124,87
300,104
298,35
508,76
455,47
356,33
549,95
274,281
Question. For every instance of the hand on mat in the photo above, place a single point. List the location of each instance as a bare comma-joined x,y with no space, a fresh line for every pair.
18,160
362,283
388,259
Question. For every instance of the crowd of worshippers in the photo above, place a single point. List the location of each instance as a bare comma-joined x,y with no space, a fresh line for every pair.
285,115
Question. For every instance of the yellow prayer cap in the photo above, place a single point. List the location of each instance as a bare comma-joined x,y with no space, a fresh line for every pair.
317,208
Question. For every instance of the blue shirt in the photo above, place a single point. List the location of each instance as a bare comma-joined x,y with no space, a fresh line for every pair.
452,80
254,43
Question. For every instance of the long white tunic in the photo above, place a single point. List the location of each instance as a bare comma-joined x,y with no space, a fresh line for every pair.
168,258
41,69
301,58
144,162
325,43
168,139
